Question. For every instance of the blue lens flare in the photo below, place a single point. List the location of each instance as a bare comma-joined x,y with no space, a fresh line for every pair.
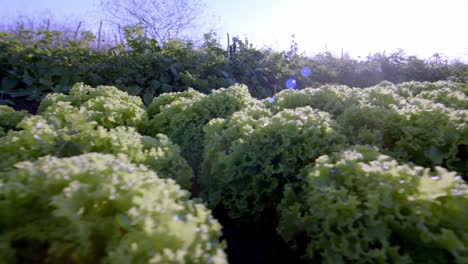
306,71
291,83
271,100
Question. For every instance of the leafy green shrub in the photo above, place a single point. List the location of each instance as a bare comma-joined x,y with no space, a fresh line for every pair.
41,137
35,63
251,155
362,207
106,105
100,208
9,118
181,116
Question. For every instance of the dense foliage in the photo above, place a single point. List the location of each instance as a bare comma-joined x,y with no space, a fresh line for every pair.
251,156
359,206
182,116
106,105
100,208
92,120
9,118
410,121
35,63
96,176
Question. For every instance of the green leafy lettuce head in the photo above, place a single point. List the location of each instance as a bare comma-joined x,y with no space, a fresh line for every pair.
366,123
421,131
359,206
157,153
40,137
382,96
422,89
447,96
430,135
36,138
106,105
333,99
182,116
100,208
250,156
9,117
164,99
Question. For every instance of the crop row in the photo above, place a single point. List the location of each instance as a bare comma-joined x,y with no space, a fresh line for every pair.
342,175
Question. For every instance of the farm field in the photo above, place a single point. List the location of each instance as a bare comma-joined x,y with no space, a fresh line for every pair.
211,131
327,174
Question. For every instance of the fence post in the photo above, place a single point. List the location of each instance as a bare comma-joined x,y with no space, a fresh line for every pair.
99,35
120,35
229,45
77,29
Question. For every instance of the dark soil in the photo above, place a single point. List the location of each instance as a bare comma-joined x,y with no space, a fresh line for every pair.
253,243
22,104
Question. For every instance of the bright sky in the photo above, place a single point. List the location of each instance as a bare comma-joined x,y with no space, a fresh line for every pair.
419,27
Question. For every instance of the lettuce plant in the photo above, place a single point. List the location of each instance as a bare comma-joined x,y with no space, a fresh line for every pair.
182,116
9,118
40,137
251,155
332,99
410,130
101,208
448,97
106,105
359,206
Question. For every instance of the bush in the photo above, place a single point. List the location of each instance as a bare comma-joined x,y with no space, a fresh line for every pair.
251,155
362,207
35,63
100,208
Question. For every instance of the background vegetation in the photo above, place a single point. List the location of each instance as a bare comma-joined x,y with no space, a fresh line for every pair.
36,62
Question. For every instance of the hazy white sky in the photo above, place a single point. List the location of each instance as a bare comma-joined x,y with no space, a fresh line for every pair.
419,27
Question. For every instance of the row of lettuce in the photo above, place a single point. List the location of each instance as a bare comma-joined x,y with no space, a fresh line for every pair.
343,175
